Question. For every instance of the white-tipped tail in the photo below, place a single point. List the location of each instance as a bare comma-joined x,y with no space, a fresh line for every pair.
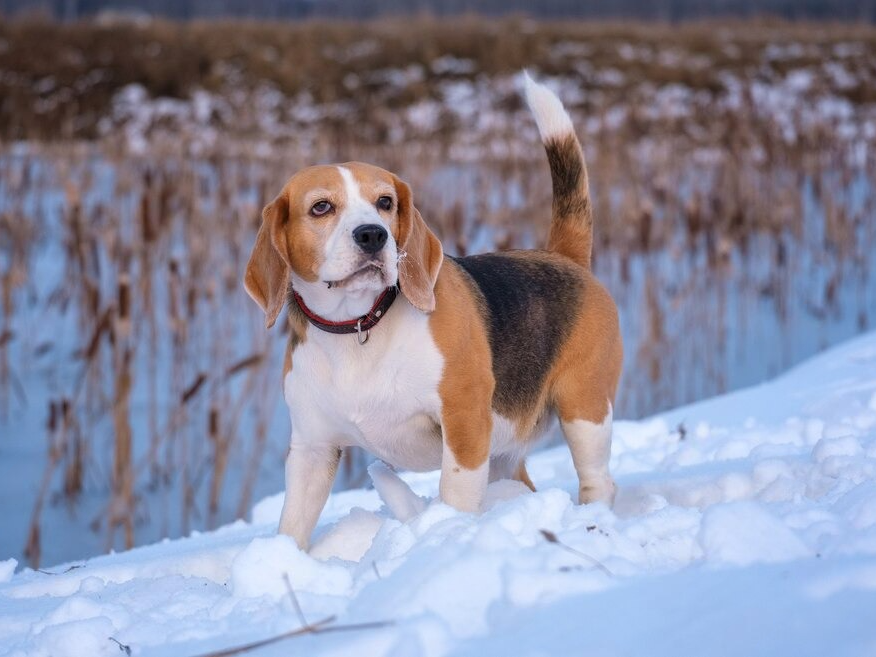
550,115
572,218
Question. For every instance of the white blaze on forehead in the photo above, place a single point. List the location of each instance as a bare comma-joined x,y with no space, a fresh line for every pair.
351,189
356,201
340,251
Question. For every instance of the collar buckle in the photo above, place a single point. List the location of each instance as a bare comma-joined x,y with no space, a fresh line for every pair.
361,336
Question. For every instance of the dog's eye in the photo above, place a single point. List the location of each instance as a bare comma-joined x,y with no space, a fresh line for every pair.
384,203
320,208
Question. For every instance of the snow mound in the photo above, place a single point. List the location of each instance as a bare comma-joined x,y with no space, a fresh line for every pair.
745,524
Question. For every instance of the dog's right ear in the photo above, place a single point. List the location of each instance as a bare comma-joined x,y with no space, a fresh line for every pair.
267,273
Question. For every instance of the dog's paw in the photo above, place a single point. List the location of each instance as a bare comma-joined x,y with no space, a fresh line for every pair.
597,489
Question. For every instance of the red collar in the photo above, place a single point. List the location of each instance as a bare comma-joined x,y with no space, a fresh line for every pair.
360,325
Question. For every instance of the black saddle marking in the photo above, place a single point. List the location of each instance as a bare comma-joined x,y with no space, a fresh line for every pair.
531,302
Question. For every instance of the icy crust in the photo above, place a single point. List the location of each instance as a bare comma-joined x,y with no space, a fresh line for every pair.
745,524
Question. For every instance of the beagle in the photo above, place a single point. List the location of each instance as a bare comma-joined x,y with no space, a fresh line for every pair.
429,361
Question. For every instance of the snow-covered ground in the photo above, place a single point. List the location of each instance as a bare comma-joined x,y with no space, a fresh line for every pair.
744,525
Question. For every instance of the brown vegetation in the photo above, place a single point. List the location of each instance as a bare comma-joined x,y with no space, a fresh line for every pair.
58,80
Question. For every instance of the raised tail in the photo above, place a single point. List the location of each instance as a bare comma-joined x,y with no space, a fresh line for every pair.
571,231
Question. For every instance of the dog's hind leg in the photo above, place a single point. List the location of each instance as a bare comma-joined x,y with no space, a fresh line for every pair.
583,393
584,406
590,444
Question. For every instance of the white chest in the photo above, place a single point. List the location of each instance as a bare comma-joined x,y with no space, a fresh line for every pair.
382,396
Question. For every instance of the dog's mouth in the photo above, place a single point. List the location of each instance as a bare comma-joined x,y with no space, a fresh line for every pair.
372,268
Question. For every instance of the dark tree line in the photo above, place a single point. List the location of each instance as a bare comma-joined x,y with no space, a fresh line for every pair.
667,10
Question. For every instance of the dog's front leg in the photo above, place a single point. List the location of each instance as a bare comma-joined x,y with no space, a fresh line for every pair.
465,462
310,472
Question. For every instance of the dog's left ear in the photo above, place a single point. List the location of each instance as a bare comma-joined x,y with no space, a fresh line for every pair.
267,273
422,253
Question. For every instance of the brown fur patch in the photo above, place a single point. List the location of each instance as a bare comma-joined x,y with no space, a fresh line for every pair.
467,384
297,335
267,274
568,177
571,232
287,356
301,239
585,377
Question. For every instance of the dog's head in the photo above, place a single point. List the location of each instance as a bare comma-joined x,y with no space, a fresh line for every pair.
342,234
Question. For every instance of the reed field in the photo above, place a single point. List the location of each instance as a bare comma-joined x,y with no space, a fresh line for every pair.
732,168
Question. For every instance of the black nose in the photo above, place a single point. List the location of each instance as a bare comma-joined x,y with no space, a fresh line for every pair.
370,237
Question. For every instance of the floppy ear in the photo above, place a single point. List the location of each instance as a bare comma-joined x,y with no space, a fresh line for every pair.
421,261
267,273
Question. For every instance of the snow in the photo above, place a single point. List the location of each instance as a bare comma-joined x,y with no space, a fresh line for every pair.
450,65
744,524
7,567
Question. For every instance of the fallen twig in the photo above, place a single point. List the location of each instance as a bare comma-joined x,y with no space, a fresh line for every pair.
551,537
66,570
294,599
122,646
319,627
307,629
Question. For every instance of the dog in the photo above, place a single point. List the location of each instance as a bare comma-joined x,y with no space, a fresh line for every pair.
430,361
